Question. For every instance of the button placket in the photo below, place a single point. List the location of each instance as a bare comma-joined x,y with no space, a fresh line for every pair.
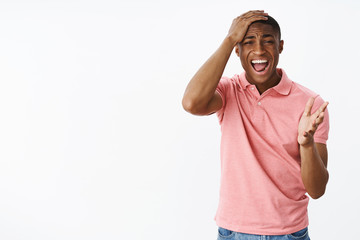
258,109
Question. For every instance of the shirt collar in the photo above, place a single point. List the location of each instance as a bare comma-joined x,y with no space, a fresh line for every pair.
283,87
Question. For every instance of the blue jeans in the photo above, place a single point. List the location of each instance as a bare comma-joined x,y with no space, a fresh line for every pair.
225,234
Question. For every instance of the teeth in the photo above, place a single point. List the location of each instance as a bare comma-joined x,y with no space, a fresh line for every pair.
259,61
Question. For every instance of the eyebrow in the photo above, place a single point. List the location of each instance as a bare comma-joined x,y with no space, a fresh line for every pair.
264,36
268,35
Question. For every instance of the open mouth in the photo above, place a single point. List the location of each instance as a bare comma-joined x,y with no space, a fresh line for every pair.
260,65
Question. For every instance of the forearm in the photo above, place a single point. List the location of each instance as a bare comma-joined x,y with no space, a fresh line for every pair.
313,171
202,86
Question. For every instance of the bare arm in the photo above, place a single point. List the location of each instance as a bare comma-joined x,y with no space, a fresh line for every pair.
313,169
313,155
200,97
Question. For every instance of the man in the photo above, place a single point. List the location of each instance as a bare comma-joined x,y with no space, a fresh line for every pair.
274,133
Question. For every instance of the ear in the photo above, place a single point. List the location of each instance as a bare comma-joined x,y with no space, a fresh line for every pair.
237,50
281,46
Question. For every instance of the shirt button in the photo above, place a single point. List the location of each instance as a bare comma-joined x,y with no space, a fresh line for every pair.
259,103
252,88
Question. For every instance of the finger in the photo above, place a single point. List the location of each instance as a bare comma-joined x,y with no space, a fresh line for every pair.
308,106
312,127
258,16
311,132
320,118
254,18
263,14
251,13
308,134
255,12
321,109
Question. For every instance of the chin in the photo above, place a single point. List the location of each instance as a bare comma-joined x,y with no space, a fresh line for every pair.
261,77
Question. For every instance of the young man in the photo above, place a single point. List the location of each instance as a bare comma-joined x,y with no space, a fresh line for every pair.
274,133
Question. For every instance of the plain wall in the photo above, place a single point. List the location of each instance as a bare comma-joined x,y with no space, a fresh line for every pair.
94,143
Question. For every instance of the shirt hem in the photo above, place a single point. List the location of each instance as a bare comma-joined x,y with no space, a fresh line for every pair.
320,140
256,231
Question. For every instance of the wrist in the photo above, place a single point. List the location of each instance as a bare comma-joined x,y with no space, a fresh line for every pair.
230,40
308,145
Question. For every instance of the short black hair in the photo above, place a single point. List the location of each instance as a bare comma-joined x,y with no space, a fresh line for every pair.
271,21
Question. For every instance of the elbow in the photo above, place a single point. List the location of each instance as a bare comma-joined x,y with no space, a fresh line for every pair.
187,105
317,195
191,106
318,190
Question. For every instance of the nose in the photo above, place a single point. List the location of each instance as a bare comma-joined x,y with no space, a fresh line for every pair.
258,48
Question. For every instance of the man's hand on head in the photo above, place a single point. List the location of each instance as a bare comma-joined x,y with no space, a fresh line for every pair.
241,24
310,122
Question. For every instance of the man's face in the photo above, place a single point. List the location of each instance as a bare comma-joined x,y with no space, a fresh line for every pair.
259,53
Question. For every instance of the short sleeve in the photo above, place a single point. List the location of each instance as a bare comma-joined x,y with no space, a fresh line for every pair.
322,133
222,88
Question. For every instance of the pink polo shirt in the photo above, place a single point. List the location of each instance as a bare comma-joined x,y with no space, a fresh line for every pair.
261,188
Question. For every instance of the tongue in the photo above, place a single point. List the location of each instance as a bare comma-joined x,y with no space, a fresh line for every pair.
259,66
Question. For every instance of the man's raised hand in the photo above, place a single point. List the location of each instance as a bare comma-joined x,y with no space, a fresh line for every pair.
310,122
241,24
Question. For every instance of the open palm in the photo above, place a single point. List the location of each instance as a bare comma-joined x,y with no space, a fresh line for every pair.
310,122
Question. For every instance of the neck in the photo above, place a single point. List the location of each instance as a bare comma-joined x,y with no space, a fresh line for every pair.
271,82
